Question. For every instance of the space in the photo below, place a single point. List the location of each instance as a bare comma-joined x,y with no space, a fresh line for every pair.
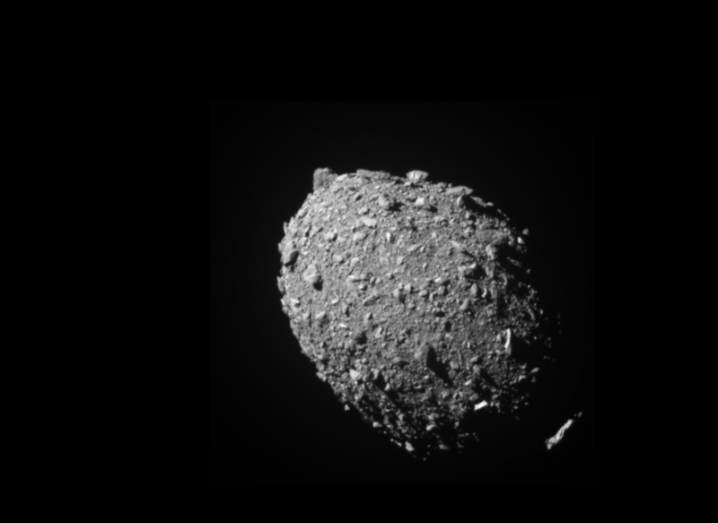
272,420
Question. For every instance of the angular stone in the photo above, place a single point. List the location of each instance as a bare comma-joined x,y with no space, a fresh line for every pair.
290,256
417,176
459,190
554,440
370,300
323,177
386,202
355,375
369,222
312,276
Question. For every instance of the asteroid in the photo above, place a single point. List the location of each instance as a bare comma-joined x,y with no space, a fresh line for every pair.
445,359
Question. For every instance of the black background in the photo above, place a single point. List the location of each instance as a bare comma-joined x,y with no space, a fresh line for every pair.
271,418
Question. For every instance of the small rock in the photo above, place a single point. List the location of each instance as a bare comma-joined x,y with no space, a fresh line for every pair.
330,236
417,176
474,290
355,375
412,248
369,222
481,405
370,300
363,210
359,236
323,177
464,306
554,440
398,295
441,281
419,201
290,256
312,276
338,258
429,428
386,202
459,247
409,447
376,425
459,190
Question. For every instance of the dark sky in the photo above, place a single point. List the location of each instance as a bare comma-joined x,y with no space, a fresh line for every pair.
271,418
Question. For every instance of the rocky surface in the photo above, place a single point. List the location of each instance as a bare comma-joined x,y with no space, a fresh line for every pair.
412,300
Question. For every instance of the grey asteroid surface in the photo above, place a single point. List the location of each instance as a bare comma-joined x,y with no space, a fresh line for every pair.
412,300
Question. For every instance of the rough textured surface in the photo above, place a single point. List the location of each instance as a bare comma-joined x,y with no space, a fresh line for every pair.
412,300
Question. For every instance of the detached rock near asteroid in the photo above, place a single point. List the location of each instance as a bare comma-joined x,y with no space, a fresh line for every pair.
412,300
